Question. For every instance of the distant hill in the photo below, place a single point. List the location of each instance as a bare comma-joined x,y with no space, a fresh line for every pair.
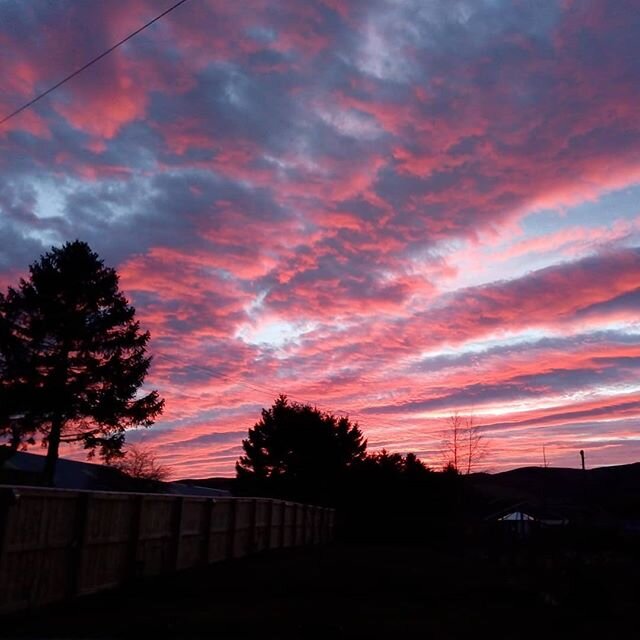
615,489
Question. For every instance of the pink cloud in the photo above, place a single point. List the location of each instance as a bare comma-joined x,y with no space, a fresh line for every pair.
342,175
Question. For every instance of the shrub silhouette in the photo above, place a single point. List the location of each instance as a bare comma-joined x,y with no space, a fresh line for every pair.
297,451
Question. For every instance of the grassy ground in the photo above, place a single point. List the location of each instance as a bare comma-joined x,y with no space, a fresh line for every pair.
374,591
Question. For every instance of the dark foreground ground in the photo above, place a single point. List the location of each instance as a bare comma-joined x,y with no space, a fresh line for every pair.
374,591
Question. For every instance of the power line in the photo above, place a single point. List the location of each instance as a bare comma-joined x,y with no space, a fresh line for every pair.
216,374
88,64
270,391
263,388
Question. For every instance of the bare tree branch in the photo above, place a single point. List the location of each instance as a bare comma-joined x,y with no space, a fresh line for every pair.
141,463
463,446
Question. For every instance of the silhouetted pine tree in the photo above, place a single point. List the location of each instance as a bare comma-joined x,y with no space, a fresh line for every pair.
75,354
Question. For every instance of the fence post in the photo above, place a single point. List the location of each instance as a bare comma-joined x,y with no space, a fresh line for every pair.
269,529
314,524
321,520
231,534
283,523
8,498
208,521
304,524
79,542
176,532
131,566
325,525
252,543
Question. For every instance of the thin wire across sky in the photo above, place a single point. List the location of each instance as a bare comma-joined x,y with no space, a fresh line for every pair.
91,62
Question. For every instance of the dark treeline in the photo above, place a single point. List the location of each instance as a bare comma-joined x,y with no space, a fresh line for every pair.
301,453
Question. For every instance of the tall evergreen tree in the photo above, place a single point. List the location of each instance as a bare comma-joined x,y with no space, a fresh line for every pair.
84,355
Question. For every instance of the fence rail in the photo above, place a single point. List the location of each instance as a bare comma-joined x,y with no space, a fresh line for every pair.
56,544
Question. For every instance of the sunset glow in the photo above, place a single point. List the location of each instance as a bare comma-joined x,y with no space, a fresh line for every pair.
391,209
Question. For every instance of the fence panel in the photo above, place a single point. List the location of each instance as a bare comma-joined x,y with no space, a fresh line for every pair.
276,526
221,530
309,523
289,525
331,523
324,526
315,526
55,544
156,544
300,524
262,524
192,532
244,524
104,555
37,553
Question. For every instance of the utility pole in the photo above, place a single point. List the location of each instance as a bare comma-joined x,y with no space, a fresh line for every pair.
582,458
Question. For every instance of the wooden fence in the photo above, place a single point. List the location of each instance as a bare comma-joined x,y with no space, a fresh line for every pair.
56,544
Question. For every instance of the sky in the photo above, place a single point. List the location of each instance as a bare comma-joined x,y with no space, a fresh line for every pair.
393,209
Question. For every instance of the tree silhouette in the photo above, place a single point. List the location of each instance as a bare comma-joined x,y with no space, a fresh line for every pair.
140,463
387,496
414,467
75,354
393,467
296,450
463,446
